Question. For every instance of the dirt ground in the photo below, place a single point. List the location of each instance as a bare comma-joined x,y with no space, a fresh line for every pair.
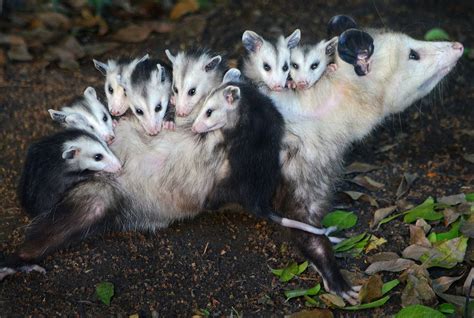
220,262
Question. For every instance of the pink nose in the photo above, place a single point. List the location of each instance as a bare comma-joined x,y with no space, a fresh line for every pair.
110,139
277,88
302,84
458,46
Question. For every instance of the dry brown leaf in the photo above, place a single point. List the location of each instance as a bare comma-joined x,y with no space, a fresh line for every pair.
467,228
184,7
19,53
355,196
425,226
450,215
415,251
418,288
468,282
159,27
371,289
417,236
54,20
73,46
99,48
405,184
396,265
360,167
382,256
374,243
442,284
382,213
315,313
469,157
367,183
454,199
132,34
332,300
11,40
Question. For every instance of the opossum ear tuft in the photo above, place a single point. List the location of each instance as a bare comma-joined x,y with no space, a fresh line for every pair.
252,41
231,94
170,56
144,58
90,92
70,153
294,38
331,46
212,63
57,116
102,67
232,75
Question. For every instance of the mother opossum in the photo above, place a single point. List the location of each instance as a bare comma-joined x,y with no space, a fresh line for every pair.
168,177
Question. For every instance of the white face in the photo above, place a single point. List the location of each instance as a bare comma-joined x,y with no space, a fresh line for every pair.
216,109
270,63
308,64
90,115
409,69
150,101
85,153
193,79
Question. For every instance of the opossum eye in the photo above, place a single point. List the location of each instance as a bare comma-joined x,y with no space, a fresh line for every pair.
139,112
295,66
209,112
192,91
314,65
111,90
266,67
98,157
158,108
285,67
175,90
104,118
414,55
91,127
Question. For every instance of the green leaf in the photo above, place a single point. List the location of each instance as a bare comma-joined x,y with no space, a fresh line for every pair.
419,311
341,219
302,292
426,211
446,254
388,286
373,304
287,273
436,34
447,308
310,302
302,267
470,197
104,292
349,243
390,218
452,233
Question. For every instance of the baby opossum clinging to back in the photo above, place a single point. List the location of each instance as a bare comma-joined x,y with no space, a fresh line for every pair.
149,91
86,113
115,71
253,130
56,163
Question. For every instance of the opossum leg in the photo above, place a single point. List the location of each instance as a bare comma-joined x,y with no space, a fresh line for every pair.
169,118
318,249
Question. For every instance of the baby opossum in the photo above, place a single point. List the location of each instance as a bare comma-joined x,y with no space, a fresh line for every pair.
149,91
115,70
151,192
86,113
309,62
195,73
267,64
57,163
253,130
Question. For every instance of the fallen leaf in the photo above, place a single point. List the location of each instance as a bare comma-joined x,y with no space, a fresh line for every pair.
469,157
341,219
452,233
419,311
289,294
454,199
11,40
158,26
105,292
382,256
293,269
71,44
371,289
415,251
458,301
405,184
425,226
132,34
447,308
373,304
355,196
450,215
360,167
442,284
417,236
97,49
469,197
349,243
374,243
388,286
445,254
467,228
367,182
54,20
426,211
468,282
386,148
332,300
19,53
315,313
381,214
184,7
396,265
418,288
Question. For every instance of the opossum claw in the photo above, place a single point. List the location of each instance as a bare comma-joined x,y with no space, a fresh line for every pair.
351,297
7,271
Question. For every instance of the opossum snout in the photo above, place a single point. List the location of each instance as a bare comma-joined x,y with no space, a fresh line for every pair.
458,46
277,88
109,139
302,84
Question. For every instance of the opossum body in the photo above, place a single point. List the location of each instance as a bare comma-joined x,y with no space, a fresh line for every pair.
57,163
116,71
195,73
149,92
253,130
86,113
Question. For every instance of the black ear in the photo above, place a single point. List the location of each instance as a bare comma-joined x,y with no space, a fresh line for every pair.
356,47
102,67
57,116
212,63
339,24
252,41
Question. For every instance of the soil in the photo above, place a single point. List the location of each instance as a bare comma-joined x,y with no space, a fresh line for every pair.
221,262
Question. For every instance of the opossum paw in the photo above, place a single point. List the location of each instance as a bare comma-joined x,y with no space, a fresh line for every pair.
169,125
332,67
7,271
352,296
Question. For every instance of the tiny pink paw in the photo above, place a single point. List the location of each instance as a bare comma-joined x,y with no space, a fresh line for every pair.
332,67
169,125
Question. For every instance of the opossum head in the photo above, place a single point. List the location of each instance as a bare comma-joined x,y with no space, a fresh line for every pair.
87,113
89,153
268,63
308,62
149,98
116,71
405,70
195,74
220,107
